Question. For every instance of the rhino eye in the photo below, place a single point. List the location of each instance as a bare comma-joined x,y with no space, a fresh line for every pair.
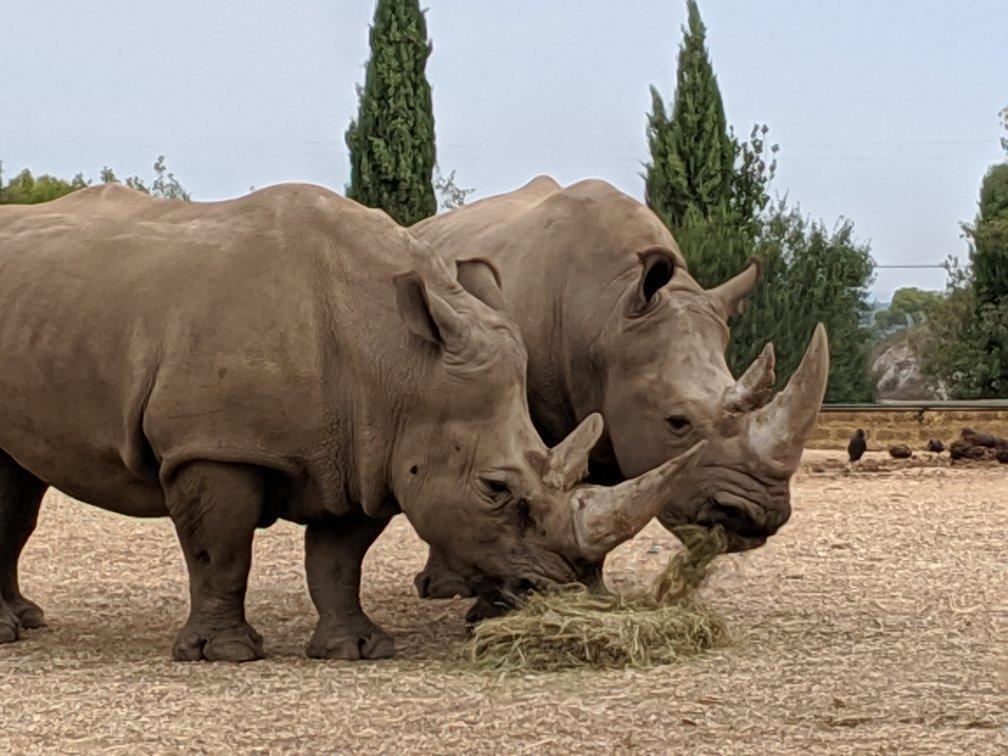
497,489
679,424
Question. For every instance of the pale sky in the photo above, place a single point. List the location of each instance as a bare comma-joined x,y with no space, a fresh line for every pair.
885,111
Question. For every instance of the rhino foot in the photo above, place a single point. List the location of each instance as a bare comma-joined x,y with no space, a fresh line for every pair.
240,643
10,626
29,613
360,639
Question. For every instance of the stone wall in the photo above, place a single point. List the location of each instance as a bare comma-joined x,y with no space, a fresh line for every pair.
903,425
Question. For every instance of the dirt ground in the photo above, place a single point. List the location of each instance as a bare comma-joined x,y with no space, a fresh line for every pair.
877,620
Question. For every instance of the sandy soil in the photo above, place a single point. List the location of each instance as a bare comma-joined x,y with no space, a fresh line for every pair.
876,620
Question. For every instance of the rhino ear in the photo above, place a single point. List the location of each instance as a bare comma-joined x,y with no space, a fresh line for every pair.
657,269
411,299
482,280
428,315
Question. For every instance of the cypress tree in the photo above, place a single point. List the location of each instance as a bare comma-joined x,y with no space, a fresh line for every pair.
990,238
392,139
692,153
711,190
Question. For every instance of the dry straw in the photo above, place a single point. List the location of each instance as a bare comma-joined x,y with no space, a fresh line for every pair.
575,628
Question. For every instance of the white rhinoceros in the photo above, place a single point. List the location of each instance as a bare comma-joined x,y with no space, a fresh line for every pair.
289,354
614,323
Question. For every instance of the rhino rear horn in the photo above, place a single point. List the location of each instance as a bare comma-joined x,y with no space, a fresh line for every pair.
755,387
730,296
568,460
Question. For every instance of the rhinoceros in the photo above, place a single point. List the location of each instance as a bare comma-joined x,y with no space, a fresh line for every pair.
293,355
614,323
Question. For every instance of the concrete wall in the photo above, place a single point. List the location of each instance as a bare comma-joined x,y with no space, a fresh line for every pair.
887,427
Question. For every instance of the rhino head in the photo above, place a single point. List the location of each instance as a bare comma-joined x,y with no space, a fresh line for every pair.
615,324
666,386
469,470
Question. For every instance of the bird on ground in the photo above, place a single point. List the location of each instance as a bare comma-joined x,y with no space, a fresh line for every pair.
965,450
900,451
857,446
982,439
935,445
1002,455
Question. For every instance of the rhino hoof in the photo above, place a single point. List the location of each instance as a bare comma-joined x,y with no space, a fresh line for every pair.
29,613
233,644
10,627
370,643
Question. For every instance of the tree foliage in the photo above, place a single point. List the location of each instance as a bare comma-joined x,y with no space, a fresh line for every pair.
968,348
450,194
810,275
1004,122
692,153
391,141
910,306
26,189
712,190
164,185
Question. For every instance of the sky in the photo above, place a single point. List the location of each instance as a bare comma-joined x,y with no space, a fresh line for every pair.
885,111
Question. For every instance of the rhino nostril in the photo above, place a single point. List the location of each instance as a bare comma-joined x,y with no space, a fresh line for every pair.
679,424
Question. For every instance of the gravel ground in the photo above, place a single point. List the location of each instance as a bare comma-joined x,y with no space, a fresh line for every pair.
877,620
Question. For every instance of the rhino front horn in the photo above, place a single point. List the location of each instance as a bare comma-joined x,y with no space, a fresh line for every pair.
777,432
606,517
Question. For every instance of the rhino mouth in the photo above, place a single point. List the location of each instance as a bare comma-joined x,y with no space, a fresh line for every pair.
496,597
742,532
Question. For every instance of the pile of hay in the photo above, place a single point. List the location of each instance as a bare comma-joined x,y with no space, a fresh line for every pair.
573,627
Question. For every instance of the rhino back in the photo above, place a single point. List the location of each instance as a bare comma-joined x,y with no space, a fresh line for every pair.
137,334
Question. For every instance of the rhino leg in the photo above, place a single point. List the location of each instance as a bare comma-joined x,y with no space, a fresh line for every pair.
215,508
20,496
334,550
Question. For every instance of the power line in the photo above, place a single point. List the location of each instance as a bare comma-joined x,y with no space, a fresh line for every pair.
911,266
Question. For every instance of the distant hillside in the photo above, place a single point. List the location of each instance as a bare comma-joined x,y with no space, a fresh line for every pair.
897,366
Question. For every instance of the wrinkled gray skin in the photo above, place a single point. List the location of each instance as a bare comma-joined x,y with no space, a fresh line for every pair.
615,324
289,354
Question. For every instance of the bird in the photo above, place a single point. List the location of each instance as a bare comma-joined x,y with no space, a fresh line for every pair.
935,445
900,451
965,450
857,446
982,439
1002,455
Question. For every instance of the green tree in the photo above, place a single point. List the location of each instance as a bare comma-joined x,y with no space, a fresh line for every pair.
968,348
450,194
810,275
26,189
910,306
692,153
712,190
165,185
391,141
1004,122
706,185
